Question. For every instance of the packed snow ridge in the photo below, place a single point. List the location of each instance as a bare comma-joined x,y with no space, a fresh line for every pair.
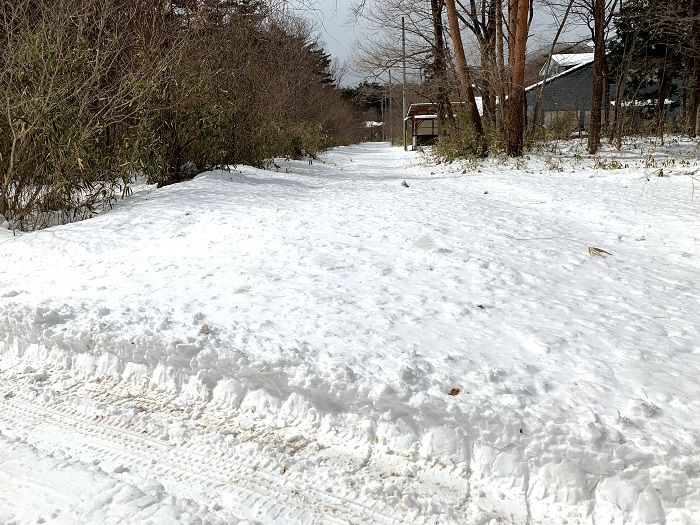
371,339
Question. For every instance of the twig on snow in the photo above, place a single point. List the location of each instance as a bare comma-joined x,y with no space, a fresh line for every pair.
595,485
592,250
693,180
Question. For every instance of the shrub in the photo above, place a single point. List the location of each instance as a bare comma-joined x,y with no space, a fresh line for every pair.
73,85
458,141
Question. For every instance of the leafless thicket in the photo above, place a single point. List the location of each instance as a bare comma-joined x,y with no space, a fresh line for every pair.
485,42
481,22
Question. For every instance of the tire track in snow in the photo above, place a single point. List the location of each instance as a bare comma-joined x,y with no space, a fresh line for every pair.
256,491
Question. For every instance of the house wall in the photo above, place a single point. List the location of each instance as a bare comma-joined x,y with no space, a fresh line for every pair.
566,99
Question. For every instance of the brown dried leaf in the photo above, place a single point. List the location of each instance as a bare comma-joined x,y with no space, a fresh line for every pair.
592,250
454,392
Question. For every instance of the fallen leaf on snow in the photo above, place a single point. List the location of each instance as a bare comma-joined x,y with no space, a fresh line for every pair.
592,250
454,392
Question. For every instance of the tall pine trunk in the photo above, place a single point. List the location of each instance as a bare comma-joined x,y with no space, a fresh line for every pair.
694,113
598,68
488,61
444,113
465,78
500,66
518,25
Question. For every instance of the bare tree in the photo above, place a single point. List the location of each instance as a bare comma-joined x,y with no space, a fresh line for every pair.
380,47
518,25
464,73
599,60
484,20
439,68
597,15
618,112
379,52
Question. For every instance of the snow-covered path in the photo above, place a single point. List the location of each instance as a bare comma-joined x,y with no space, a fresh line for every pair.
281,347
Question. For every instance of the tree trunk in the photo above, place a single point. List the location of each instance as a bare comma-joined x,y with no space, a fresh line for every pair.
606,95
444,113
3,201
465,78
619,112
598,67
500,65
492,64
694,113
488,92
518,21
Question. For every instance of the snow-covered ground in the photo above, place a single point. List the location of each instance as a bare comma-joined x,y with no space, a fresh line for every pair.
370,339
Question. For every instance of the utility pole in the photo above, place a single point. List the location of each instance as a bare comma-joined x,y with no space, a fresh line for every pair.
405,110
391,127
382,105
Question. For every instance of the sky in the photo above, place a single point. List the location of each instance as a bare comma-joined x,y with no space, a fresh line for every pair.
336,27
332,20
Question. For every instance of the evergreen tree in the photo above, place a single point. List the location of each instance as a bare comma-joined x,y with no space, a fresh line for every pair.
645,54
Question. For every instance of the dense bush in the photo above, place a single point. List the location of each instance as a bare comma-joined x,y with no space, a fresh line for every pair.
95,92
73,81
461,141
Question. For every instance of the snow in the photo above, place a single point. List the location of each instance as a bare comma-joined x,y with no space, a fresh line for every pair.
572,59
568,60
414,110
286,347
572,65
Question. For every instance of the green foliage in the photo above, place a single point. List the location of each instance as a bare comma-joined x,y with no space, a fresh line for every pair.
640,32
649,49
369,95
